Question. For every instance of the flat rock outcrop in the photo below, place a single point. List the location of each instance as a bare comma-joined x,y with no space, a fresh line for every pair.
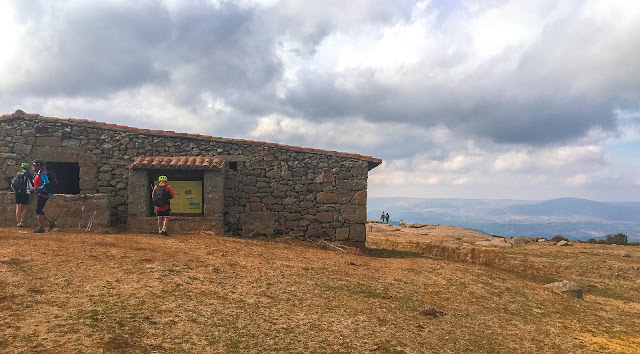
566,287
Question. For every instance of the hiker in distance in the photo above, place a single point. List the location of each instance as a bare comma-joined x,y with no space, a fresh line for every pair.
382,217
162,195
22,184
41,183
387,216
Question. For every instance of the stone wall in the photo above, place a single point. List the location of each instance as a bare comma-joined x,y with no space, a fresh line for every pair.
69,211
274,189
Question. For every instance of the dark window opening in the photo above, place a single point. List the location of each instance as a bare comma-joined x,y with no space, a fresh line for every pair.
64,177
233,165
188,201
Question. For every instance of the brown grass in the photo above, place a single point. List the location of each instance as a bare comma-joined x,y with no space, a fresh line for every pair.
73,292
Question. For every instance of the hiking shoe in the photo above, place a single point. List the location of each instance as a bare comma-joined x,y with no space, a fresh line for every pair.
39,230
52,225
164,233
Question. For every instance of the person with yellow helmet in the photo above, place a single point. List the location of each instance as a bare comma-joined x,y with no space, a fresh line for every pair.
21,184
161,196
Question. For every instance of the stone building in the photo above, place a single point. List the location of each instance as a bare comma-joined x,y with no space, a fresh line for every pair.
105,175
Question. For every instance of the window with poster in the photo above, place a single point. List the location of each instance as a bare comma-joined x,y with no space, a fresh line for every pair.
187,185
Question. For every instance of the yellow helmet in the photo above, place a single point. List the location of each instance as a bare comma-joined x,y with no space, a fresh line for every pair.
162,179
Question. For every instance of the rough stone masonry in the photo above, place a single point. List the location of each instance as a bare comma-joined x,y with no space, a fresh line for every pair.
258,189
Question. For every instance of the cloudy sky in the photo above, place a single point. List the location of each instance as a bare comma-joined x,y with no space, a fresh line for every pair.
527,99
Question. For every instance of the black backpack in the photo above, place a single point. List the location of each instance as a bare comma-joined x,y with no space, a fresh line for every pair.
20,182
160,196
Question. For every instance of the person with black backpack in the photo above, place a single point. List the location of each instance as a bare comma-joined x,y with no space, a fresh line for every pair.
41,183
161,196
21,184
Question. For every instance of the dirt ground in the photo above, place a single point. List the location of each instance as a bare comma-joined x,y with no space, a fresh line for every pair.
78,292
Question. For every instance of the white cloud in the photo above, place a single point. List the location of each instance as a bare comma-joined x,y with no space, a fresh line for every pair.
513,160
145,107
577,180
460,181
459,162
566,155
9,30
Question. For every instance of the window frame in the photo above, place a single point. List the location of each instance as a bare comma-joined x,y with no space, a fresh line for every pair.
175,175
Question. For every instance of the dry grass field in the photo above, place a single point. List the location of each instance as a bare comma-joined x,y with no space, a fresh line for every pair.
76,292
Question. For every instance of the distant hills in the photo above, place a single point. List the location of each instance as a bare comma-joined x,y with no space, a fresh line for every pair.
570,217
583,207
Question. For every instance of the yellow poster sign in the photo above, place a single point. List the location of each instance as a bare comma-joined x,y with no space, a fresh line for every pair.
187,197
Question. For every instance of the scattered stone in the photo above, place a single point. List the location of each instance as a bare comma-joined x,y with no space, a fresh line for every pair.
500,242
625,255
483,243
566,287
432,312
417,226
520,240
562,243
457,238
542,240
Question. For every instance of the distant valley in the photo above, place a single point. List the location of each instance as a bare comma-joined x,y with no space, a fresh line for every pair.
570,217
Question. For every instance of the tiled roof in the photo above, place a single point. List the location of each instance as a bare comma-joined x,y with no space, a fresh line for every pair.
373,162
179,162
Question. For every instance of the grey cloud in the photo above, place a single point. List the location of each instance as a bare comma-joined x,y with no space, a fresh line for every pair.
536,120
93,49
226,45
88,48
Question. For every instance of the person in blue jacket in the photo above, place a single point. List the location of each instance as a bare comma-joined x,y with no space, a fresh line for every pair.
40,183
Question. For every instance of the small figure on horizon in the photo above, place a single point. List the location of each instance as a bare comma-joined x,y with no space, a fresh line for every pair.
401,223
382,217
387,216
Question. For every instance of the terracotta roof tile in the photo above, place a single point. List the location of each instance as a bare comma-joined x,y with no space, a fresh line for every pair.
179,162
84,122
